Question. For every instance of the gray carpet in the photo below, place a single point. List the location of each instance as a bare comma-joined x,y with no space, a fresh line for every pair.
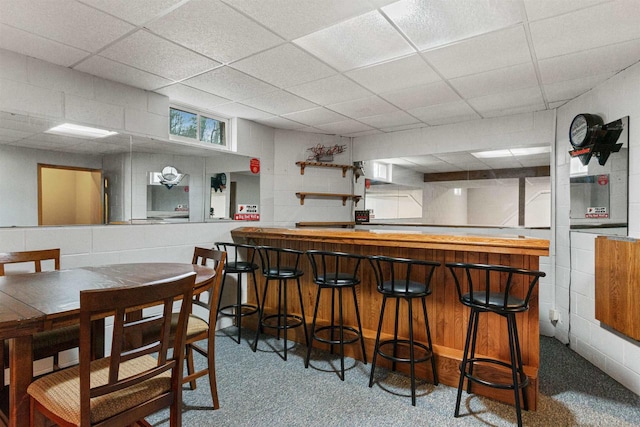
260,389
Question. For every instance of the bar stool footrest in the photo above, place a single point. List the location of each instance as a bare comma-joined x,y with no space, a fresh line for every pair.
346,329
428,353
286,322
245,310
524,379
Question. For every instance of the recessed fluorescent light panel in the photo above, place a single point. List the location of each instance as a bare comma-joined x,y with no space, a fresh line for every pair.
518,152
77,131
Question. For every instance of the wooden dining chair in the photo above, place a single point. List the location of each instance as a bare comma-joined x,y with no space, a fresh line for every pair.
202,322
48,343
131,383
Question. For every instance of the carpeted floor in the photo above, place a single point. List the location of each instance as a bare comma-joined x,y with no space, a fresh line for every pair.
260,389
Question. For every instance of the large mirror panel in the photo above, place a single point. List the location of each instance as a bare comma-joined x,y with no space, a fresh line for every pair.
502,188
132,189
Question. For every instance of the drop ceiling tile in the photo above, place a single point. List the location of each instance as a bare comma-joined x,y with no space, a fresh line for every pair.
169,60
488,52
495,81
502,162
540,9
137,12
396,74
445,113
571,88
111,70
512,111
39,47
404,127
587,28
315,116
181,94
357,42
610,59
279,102
214,29
330,90
507,100
281,123
284,66
364,107
293,19
239,110
344,127
422,96
229,83
556,104
438,22
36,17
364,133
397,118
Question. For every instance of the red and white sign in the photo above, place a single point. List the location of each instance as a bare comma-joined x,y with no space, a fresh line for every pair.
247,213
596,212
254,165
603,179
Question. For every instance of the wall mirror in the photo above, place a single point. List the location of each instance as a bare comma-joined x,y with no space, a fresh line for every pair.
505,188
125,162
599,192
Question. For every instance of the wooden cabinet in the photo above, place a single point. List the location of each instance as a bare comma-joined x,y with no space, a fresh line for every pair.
617,284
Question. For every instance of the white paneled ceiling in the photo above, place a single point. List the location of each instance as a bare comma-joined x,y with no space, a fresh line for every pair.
348,67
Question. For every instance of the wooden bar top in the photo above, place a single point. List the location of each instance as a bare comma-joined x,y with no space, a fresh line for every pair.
499,244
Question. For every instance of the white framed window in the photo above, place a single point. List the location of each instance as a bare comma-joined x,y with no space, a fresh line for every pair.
189,125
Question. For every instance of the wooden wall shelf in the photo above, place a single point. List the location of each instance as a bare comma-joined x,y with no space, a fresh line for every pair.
344,168
344,197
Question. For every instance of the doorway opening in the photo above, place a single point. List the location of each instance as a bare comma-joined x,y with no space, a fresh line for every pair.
69,196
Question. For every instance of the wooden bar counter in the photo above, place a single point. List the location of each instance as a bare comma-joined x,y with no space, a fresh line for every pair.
447,316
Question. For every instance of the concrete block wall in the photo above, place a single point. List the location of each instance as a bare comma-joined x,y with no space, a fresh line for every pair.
616,355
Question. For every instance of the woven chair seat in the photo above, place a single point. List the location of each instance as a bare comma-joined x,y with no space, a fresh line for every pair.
59,392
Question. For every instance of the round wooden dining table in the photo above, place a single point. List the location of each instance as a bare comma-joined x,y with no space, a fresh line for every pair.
35,302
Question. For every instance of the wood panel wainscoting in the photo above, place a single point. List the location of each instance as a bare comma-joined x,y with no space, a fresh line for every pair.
447,316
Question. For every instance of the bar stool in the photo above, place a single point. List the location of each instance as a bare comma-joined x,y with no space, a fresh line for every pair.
241,261
404,279
281,264
336,271
509,294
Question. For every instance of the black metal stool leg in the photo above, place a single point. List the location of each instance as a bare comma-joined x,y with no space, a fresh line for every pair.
377,345
239,305
341,328
313,328
515,367
412,357
433,357
463,364
304,319
355,302
260,316
285,319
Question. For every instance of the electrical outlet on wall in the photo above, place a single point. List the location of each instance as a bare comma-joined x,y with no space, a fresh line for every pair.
554,316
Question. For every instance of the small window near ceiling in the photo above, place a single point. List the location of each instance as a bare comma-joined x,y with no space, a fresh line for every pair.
193,126
212,130
183,123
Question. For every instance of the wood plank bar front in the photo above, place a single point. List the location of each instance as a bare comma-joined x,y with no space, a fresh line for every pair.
447,316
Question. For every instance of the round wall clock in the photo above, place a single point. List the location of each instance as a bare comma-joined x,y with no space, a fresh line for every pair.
583,127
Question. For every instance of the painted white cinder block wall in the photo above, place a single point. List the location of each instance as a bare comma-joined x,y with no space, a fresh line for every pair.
615,354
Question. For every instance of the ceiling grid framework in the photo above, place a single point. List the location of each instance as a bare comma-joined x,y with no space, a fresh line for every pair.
333,67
